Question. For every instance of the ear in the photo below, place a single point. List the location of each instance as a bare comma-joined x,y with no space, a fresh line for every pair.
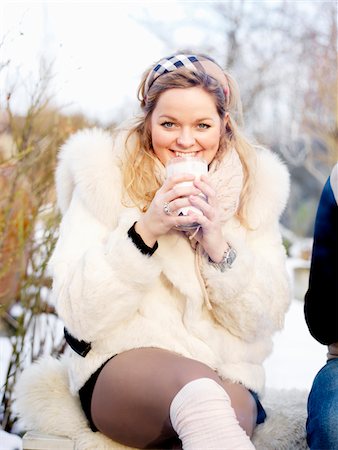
226,119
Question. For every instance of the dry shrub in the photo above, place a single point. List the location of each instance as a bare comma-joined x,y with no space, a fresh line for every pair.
29,223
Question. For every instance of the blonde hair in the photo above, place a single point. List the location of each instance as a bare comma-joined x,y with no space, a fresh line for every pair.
138,168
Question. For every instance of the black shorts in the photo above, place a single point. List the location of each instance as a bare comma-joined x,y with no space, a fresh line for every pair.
86,393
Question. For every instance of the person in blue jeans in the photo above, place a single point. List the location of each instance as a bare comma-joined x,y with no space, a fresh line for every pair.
321,314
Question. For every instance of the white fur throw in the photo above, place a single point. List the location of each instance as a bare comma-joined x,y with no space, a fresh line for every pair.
43,403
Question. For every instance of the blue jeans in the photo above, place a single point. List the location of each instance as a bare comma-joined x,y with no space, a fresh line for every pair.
322,407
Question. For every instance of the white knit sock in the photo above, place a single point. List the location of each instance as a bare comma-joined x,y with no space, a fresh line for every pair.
202,416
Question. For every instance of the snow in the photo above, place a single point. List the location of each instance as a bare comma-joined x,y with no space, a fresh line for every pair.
296,356
10,441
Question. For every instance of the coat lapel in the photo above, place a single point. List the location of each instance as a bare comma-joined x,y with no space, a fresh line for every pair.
178,262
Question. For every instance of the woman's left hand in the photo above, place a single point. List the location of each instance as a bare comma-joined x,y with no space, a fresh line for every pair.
210,235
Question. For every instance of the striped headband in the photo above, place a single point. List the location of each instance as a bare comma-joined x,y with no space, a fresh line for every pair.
191,62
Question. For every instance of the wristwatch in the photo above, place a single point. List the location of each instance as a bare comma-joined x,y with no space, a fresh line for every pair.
227,260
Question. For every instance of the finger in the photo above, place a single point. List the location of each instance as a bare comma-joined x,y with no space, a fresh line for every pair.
177,204
199,219
205,180
207,190
181,178
204,183
187,220
179,191
204,224
200,203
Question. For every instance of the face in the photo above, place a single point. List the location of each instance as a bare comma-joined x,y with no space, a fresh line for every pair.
185,122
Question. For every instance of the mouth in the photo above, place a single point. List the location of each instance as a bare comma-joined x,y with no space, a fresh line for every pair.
185,154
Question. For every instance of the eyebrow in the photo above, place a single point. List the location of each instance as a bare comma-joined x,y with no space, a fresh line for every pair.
174,118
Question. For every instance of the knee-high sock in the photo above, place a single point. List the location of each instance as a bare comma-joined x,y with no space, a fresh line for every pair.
202,416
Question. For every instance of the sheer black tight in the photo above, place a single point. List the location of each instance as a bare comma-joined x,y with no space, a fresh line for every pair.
133,393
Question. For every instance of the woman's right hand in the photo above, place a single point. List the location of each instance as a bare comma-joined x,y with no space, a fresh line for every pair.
155,221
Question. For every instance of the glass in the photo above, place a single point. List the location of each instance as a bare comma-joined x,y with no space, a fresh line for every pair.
191,165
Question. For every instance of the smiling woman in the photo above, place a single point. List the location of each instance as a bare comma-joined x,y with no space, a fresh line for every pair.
168,328
186,122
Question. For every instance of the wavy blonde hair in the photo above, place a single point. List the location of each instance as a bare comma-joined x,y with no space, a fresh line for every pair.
139,164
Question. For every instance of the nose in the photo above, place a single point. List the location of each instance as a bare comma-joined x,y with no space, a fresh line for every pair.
186,138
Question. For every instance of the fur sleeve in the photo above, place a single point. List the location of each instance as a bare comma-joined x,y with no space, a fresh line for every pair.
99,276
252,297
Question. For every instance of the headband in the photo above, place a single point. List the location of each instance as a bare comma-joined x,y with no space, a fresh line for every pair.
191,62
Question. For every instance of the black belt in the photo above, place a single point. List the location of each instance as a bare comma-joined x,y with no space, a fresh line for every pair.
80,347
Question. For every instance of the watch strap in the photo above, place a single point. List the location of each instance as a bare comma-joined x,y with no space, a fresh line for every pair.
228,259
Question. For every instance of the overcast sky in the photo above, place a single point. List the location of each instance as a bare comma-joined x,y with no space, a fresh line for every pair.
99,50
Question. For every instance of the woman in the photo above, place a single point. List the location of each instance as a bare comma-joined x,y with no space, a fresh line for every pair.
170,328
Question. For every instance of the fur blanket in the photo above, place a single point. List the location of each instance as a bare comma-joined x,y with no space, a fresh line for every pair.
43,403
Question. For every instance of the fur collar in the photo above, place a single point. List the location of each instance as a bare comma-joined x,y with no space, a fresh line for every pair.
90,163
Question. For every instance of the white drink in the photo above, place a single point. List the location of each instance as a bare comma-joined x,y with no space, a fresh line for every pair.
188,165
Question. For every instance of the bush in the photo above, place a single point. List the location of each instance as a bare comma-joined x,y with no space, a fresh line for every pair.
29,222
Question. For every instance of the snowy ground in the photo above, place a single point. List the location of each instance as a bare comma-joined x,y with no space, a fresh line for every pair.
297,356
9,441
296,359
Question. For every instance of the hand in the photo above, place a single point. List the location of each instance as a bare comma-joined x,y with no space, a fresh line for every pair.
210,235
155,222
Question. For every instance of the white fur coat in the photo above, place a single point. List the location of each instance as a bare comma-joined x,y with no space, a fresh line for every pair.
109,293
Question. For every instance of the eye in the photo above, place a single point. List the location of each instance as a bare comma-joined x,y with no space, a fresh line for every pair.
167,124
203,126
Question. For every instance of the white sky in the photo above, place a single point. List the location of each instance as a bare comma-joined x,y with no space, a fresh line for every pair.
99,50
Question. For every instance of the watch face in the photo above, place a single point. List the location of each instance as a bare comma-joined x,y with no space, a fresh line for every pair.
228,258
231,257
